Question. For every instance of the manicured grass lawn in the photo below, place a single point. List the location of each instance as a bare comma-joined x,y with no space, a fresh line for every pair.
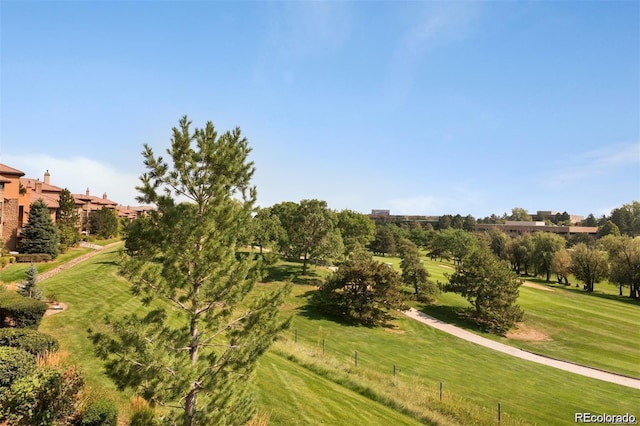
293,395
15,272
597,329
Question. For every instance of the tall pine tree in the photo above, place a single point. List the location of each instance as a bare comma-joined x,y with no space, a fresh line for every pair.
68,219
40,234
194,354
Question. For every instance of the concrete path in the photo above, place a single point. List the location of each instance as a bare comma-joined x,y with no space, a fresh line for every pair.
55,271
510,350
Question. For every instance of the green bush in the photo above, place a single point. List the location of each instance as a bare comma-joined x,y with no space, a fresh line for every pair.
102,412
28,340
18,311
33,257
48,396
14,364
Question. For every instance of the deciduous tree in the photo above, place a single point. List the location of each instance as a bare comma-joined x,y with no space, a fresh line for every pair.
546,245
356,229
589,265
624,258
384,242
415,275
361,290
194,353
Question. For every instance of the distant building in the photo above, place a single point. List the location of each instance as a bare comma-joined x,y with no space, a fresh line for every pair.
17,193
385,216
514,228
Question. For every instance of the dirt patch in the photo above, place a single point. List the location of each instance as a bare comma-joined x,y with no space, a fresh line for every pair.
54,309
447,267
536,285
524,332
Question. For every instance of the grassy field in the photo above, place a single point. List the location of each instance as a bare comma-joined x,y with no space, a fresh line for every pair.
597,329
291,391
15,271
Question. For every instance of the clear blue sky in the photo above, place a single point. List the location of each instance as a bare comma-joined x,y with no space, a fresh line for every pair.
417,107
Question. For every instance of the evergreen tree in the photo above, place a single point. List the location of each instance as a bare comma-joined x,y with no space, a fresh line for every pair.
195,353
29,287
40,234
68,219
415,275
103,222
490,285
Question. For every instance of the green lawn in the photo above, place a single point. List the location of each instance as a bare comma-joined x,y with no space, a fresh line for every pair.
597,329
15,272
477,378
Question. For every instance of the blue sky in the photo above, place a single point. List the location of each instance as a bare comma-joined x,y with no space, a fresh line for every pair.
417,107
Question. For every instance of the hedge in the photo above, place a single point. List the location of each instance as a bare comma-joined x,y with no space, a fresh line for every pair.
18,311
28,340
33,257
14,364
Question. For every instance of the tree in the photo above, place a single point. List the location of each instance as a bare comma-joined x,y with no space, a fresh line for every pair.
103,222
520,214
29,287
490,285
68,219
309,229
624,257
590,220
356,229
498,242
627,218
546,245
608,228
267,229
362,290
40,234
455,242
589,265
415,275
469,223
520,252
561,265
194,353
384,242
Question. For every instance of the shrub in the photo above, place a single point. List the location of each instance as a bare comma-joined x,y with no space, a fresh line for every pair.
141,413
101,412
33,257
48,396
28,340
18,311
14,364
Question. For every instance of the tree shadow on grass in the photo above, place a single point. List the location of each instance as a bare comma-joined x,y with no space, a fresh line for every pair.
455,315
107,262
292,272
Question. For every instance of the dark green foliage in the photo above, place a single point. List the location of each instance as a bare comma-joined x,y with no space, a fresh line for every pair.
490,285
33,258
14,364
48,396
28,340
102,412
29,288
18,311
199,350
415,275
103,223
384,241
608,228
68,219
362,291
40,234
356,229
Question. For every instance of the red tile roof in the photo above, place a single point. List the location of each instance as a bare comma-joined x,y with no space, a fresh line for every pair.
31,183
6,170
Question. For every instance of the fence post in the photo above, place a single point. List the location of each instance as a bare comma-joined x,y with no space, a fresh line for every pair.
323,346
440,391
394,370
356,358
295,339
499,413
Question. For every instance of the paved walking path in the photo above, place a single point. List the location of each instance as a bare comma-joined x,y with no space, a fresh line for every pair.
510,350
96,249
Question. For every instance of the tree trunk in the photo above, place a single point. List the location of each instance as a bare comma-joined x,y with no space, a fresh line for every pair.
304,265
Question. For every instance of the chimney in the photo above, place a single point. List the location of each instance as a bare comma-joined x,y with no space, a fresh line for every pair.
47,176
104,196
87,192
38,187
